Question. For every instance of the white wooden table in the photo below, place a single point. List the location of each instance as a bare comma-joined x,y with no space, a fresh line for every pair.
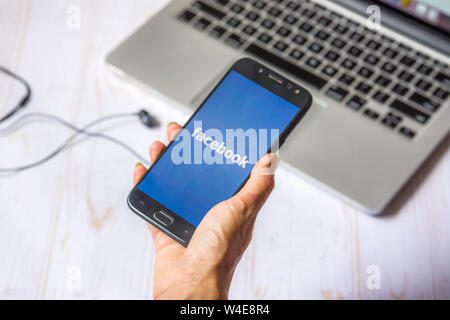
65,229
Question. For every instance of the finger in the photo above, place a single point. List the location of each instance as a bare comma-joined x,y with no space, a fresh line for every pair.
259,186
172,130
155,149
139,171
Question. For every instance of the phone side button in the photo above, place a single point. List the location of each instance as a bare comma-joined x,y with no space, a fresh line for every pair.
163,218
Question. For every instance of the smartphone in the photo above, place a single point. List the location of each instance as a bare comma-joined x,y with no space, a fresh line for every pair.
249,113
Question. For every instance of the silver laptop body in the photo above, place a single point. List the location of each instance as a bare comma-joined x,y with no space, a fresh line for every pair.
360,148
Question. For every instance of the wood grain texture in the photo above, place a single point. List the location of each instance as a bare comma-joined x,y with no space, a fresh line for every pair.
65,229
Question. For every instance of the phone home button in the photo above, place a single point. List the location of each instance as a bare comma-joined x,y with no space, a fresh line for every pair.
163,218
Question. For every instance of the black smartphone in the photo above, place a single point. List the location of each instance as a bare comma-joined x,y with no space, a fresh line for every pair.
248,114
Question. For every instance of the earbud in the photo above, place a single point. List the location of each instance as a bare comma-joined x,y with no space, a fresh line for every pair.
147,119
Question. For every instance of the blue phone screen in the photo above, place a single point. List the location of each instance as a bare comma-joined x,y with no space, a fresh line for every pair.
218,148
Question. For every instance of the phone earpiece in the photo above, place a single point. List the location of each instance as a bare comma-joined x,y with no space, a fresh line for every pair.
147,119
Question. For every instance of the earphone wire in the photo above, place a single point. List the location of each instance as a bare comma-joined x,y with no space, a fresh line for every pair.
25,99
68,143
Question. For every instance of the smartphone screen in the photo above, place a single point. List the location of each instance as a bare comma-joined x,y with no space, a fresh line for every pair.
218,147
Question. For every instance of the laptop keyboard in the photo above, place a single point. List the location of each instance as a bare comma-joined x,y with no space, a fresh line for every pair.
336,55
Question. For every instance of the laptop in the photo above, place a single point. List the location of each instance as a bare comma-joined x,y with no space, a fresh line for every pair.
381,95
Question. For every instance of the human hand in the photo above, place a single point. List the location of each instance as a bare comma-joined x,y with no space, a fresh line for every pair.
205,268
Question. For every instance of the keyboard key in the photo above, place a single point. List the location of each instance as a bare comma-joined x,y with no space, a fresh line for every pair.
365,72
440,64
306,27
299,39
357,37
202,6
274,12
340,29
308,13
296,54
409,133
423,85
237,8
356,102
353,23
264,37
347,79
422,55
338,43
371,114
391,120
252,16
318,7
404,47
411,112
332,56
288,67
441,93
233,22
423,69
388,67
382,81
337,93
354,51
268,24
217,32
249,30
223,2
373,45
260,4
406,76
387,39
281,46
329,70
389,53
202,24
283,31
336,15
313,62
442,77
425,102
290,19
186,16
381,97
293,5
371,31
407,61
363,87
324,21
348,64
400,90
371,59
234,40
315,47
322,35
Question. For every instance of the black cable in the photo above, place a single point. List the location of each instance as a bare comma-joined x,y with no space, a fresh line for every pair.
24,101
69,142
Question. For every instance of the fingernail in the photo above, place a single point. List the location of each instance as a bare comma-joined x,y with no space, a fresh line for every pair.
270,160
137,164
171,123
266,161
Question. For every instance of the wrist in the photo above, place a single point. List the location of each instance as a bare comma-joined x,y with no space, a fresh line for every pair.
205,279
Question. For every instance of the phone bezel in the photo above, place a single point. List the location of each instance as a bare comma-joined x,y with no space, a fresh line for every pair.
181,230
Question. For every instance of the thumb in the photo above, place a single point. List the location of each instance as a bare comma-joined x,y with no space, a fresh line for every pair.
259,186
